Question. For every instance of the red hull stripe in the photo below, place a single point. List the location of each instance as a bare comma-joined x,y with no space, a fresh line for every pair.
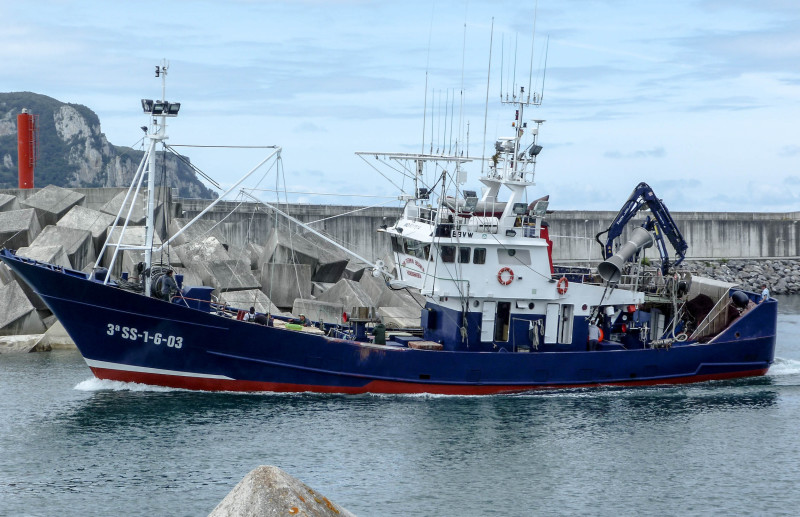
391,387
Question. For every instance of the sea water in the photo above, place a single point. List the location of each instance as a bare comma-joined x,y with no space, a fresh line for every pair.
71,445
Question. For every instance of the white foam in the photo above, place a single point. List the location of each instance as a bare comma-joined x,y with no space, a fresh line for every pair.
783,366
95,384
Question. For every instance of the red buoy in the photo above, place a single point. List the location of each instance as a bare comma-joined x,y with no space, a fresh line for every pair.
26,147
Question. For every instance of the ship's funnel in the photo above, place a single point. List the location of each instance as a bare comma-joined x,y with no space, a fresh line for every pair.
611,270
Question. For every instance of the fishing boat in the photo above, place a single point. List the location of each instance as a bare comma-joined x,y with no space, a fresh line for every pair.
499,315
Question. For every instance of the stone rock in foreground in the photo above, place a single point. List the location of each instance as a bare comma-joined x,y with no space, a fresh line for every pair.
269,491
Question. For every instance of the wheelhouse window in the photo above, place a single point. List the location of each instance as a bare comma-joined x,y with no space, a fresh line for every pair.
479,257
463,255
424,252
448,253
397,246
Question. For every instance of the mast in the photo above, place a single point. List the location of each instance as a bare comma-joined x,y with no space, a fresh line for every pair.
160,110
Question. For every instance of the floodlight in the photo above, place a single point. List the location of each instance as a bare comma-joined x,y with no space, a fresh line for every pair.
159,107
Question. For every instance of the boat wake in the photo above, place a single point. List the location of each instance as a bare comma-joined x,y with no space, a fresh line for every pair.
95,384
783,367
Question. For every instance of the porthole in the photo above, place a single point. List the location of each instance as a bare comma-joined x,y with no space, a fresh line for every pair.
531,305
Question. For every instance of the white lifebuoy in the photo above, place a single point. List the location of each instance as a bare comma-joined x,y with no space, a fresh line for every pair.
563,285
508,280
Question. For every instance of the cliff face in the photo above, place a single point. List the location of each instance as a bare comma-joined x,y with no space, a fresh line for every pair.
73,152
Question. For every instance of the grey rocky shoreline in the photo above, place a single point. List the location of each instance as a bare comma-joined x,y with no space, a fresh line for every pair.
782,276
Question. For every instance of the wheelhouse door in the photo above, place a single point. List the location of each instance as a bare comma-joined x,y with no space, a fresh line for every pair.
551,323
487,321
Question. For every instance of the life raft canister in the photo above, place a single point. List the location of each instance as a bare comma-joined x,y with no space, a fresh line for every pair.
563,285
509,279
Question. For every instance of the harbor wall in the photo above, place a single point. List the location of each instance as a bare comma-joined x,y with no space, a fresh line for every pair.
710,235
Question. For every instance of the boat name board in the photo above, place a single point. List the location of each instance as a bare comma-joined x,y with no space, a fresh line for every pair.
133,334
416,263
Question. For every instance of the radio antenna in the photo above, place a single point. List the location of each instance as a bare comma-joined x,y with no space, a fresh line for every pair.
533,40
486,109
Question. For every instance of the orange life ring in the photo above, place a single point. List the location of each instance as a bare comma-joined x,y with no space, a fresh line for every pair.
510,276
563,285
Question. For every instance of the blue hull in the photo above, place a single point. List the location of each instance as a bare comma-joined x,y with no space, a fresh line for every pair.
128,337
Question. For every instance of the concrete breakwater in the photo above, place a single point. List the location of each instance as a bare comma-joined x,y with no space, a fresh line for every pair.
254,258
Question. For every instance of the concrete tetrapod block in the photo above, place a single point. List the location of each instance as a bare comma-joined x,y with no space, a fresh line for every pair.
84,218
76,243
228,275
284,248
354,271
268,491
385,296
256,252
52,203
348,293
241,255
127,258
209,249
51,254
330,272
56,338
6,276
8,203
18,228
17,314
200,230
282,283
316,310
190,278
400,317
250,298
317,288
138,214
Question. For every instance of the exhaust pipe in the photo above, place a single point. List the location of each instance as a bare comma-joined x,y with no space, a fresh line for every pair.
611,270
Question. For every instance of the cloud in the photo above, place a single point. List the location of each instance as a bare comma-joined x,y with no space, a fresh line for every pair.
309,127
656,152
789,150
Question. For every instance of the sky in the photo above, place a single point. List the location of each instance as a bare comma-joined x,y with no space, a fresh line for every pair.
700,99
